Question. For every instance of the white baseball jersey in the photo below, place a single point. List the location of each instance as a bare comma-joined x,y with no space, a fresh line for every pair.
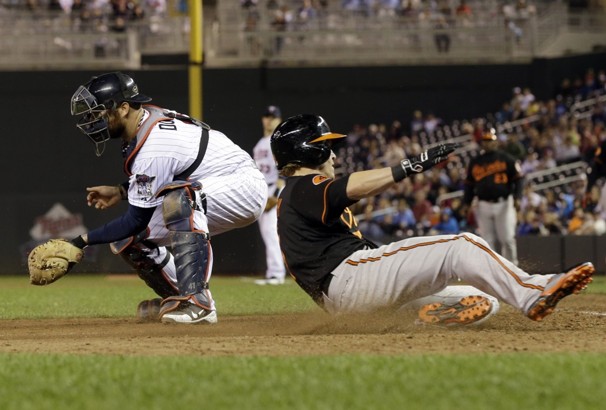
268,220
236,192
235,189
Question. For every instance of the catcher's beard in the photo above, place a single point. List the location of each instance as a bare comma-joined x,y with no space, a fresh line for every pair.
117,131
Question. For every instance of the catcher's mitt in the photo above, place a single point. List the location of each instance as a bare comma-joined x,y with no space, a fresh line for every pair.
51,260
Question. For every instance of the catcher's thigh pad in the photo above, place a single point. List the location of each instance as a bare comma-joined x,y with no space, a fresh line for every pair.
181,199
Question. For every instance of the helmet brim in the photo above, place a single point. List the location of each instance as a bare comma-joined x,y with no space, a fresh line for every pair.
326,137
139,98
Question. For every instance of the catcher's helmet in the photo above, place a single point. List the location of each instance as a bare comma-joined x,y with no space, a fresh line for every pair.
303,140
102,93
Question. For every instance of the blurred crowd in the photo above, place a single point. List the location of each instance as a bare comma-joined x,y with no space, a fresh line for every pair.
541,135
307,13
445,19
93,15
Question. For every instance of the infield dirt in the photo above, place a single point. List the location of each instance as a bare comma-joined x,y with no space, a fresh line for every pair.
578,325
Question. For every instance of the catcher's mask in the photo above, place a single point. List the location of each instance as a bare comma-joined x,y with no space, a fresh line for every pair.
304,139
92,101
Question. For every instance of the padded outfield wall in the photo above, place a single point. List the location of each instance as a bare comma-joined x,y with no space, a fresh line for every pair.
47,163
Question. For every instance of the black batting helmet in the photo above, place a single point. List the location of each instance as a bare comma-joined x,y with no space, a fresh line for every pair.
102,93
303,139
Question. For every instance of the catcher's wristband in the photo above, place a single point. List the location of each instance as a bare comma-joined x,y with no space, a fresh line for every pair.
78,242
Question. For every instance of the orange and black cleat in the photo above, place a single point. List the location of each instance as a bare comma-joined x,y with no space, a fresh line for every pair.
560,286
468,310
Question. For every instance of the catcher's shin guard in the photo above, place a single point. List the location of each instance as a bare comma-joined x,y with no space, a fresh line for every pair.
191,251
149,271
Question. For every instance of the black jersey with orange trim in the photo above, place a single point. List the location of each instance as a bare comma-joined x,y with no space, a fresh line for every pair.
316,228
493,175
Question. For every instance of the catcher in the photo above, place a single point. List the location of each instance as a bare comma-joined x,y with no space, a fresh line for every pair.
185,180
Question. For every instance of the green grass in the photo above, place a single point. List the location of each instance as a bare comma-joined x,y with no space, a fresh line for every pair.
509,381
431,381
118,296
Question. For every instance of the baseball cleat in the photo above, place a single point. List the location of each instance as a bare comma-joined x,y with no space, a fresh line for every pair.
466,311
189,313
270,281
560,286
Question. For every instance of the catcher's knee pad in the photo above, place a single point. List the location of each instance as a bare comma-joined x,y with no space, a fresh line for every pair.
148,270
181,198
192,263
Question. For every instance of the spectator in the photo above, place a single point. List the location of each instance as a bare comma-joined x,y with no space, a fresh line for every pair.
505,114
441,24
526,99
388,225
369,226
251,23
531,225
575,224
531,163
307,16
514,147
516,16
280,23
464,14
547,160
394,152
554,203
447,224
590,225
553,224
422,208
530,200
387,8
404,218
431,123
417,124
568,151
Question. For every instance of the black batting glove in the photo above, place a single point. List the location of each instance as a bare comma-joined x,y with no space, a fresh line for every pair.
421,163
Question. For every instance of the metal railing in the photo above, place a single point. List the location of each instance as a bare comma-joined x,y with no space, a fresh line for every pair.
346,38
52,39
64,51
402,43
